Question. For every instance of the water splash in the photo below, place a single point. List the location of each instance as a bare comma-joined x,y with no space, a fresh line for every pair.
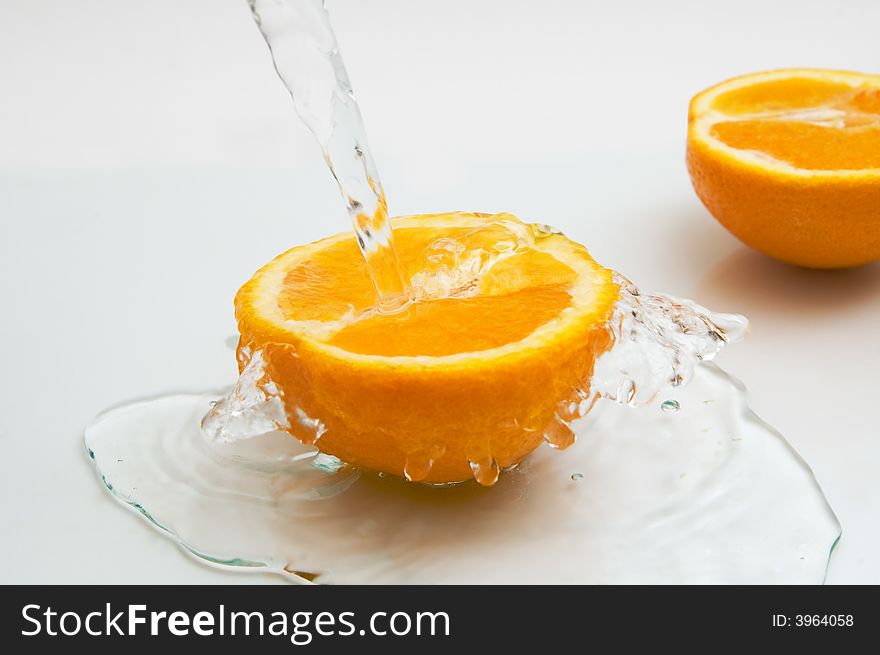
307,59
454,267
658,340
252,408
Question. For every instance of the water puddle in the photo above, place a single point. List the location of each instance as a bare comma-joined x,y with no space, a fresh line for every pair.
690,487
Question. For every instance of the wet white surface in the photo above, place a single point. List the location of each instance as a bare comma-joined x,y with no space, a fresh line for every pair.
151,162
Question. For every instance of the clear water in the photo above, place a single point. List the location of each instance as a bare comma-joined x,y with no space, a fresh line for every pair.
705,494
667,475
306,56
307,59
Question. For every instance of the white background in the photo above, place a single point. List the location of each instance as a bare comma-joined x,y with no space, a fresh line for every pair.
150,161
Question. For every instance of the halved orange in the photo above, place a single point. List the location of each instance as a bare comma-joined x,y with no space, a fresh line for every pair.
508,321
789,162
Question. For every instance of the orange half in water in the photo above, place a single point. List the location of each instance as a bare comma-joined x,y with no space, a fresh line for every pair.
789,162
466,380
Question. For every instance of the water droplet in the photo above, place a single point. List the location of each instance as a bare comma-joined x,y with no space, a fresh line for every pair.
485,470
626,391
381,474
577,477
559,435
577,405
670,406
419,463
327,463
417,467
542,230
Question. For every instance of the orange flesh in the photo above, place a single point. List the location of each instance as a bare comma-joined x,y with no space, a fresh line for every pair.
804,142
455,325
334,280
517,295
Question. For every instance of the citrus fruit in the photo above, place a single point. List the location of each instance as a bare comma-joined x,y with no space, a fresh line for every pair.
507,322
789,162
